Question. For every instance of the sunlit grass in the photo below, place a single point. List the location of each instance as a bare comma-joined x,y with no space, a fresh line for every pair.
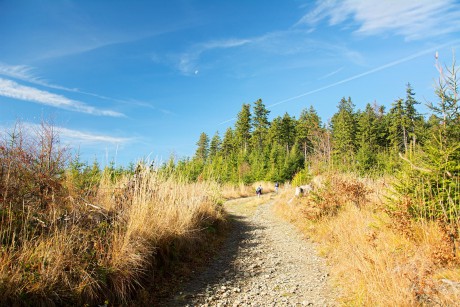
104,250
376,258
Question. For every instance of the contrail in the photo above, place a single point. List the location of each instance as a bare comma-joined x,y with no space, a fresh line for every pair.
226,121
331,73
385,66
374,70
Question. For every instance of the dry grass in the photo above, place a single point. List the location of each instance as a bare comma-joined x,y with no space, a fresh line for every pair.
89,253
377,259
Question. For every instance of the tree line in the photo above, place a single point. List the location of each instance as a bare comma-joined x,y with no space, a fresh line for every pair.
421,151
256,148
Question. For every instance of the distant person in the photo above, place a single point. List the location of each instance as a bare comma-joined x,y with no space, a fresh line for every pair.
259,191
277,185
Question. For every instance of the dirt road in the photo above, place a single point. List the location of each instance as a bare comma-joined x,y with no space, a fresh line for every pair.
264,262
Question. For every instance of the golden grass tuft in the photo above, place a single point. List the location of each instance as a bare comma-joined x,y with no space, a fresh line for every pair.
373,262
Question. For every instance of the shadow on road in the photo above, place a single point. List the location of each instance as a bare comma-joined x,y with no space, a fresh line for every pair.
222,266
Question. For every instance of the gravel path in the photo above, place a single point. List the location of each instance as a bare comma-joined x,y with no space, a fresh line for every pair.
264,262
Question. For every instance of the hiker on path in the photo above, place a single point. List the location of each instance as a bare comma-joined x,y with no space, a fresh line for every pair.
259,191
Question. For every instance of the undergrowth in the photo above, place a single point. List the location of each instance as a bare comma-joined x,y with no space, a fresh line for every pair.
378,257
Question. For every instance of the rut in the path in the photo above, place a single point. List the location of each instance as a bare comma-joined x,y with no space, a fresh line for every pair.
264,262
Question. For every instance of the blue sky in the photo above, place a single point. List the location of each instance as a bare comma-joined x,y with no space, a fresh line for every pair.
125,80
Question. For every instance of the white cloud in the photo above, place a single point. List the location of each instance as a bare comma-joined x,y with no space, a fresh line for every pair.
223,44
85,137
73,136
26,73
11,89
282,44
413,19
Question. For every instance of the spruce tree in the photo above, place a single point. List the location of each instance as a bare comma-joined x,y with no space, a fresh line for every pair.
431,178
260,124
214,147
202,151
382,126
344,131
228,143
287,131
411,117
367,138
308,123
275,132
396,131
243,128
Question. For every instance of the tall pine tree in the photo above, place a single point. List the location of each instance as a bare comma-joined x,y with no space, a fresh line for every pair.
308,125
243,128
367,138
260,124
344,131
203,147
214,147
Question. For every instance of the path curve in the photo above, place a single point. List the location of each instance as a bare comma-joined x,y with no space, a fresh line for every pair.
264,262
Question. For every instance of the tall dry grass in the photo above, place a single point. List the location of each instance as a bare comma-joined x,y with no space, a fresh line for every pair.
376,258
59,248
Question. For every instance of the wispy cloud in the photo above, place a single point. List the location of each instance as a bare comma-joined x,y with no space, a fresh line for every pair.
26,73
413,19
187,63
11,89
284,45
76,136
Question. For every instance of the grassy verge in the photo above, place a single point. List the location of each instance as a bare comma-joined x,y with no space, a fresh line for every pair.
66,250
377,257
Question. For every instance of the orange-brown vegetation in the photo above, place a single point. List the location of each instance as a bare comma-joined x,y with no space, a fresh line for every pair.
378,257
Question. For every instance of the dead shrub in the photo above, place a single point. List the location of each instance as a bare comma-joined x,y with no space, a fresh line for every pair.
331,193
